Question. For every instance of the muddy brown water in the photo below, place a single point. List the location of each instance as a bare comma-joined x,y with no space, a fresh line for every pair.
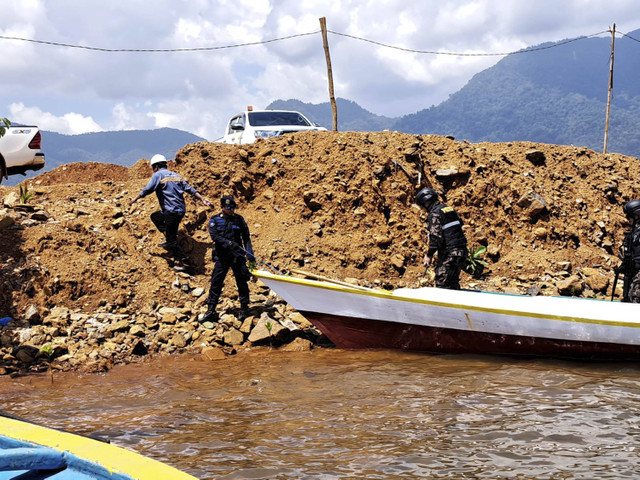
333,414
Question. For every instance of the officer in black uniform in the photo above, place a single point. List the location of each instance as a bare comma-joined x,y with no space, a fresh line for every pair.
232,245
630,253
446,238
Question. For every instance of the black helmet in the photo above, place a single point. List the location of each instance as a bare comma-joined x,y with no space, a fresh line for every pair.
632,208
227,201
426,195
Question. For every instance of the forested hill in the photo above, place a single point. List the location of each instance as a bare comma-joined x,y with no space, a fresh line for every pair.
351,116
554,95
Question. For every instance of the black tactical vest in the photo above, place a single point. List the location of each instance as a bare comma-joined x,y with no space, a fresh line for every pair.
452,228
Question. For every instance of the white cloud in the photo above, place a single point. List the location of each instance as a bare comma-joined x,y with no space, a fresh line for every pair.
70,123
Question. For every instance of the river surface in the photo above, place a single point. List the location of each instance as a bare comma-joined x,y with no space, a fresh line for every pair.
334,414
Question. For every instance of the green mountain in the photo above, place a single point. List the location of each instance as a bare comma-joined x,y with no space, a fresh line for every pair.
351,116
121,147
554,95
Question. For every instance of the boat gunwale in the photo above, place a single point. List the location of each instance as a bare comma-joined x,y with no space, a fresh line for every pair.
457,306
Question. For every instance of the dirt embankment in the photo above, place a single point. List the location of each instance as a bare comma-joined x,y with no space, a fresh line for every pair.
335,204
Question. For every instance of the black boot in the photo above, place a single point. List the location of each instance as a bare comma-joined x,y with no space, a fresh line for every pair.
244,312
210,316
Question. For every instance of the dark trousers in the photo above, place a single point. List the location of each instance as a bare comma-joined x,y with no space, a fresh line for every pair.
168,223
240,271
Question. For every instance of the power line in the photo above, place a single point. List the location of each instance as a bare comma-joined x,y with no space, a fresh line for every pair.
223,47
629,36
150,50
457,54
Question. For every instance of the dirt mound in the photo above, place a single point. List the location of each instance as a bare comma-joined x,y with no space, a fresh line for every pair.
83,173
336,204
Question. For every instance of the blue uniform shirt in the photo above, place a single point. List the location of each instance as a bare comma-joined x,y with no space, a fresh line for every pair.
232,227
169,188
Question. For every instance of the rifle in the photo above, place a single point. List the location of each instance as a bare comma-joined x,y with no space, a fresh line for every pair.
615,280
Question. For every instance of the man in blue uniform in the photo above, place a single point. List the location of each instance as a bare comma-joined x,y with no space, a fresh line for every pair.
232,242
446,238
169,188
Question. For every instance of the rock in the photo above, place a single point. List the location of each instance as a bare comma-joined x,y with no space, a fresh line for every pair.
41,216
179,340
540,232
233,337
532,203
298,345
397,261
451,172
137,331
266,329
198,292
119,325
27,353
11,199
5,220
212,353
300,320
571,286
595,280
32,314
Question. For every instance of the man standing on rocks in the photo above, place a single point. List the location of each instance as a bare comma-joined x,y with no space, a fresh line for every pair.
446,239
232,242
169,188
631,254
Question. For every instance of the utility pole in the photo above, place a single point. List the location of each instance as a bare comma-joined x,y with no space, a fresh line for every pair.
606,125
334,108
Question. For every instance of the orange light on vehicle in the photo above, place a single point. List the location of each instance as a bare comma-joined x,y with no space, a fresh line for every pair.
250,108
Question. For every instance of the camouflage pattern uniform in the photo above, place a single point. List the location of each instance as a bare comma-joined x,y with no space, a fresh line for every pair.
448,240
631,264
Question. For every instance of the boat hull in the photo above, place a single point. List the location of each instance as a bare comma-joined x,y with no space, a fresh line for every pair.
351,333
448,321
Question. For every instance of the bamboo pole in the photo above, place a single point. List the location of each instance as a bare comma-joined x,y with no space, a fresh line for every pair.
331,280
606,124
325,42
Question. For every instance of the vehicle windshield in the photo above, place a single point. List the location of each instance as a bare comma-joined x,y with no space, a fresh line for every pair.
266,119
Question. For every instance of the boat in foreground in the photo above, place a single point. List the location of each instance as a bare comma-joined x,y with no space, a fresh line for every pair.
436,320
29,451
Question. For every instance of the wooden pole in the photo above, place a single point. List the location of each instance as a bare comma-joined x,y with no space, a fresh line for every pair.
331,280
334,108
606,125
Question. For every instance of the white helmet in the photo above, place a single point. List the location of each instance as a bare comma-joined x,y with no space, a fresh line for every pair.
157,158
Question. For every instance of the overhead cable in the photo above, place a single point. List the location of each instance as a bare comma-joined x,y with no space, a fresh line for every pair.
223,47
159,50
457,54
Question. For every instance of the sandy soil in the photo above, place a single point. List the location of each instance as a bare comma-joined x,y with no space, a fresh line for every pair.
335,204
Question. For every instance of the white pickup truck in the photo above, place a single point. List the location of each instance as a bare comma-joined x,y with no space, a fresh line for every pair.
20,150
248,126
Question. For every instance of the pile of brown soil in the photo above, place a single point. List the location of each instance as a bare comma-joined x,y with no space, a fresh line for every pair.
335,204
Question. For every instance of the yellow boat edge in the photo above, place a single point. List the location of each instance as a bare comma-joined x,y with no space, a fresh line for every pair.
113,458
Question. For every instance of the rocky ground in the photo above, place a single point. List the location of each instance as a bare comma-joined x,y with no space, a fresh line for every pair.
83,284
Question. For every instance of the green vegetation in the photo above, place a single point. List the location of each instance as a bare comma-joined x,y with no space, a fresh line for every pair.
25,195
4,124
474,265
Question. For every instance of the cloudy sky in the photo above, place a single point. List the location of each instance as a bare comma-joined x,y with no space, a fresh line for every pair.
73,90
